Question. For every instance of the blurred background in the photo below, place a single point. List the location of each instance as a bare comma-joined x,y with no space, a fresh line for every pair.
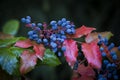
101,14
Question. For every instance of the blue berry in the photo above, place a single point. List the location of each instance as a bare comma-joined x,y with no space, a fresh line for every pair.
54,27
68,26
35,36
63,24
39,24
75,65
108,65
114,57
53,45
67,22
38,29
111,46
99,42
73,30
63,48
30,32
114,72
39,41
53,22
115,77
62,32
45,40
109,75
106,41
30,37
23,20
68,31
61,40
59,54
99,36
103,54
54,39
102,78
112,53
33,24
54,50
63,20
63,37
27,21
101,49
105,62
28,17
59,22
119,48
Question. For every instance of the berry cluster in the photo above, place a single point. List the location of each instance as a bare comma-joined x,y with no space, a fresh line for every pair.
52,35
109,62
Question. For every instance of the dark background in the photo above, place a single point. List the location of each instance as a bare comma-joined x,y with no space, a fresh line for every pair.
101,14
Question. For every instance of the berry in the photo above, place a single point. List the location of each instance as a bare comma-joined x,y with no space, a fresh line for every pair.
63,37
68,31
62,32
33,24
68,22
39,41
73,30
54,50
35,35
27,21
68,26
99,36
63,20
111,46
30,32
53,45
75,65
54,39
114,57
23,20
63,48
30,37
112,53
103,54
63,24
115,77
105,62
39,24
119,48
28,17
45,40
59,54
53,22
59,22
54,27
109,75
101,49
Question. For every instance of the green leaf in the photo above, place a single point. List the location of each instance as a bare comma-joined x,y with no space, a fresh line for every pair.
9,62
7,42
50,58
16,51
11,27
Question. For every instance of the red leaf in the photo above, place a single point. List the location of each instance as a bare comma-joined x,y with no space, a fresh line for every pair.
83,30
87,73
71,51
39,50
92,54
23,43
28,61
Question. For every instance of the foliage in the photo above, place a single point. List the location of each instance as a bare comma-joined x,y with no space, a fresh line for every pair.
46,43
